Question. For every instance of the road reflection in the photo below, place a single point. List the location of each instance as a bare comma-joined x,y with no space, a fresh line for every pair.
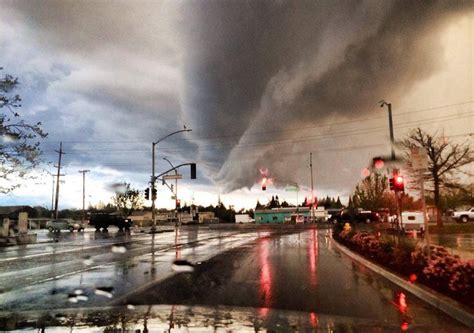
265,272
313,253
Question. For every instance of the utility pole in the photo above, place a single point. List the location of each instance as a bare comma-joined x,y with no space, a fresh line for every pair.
61,153
312,187
52,197
83,194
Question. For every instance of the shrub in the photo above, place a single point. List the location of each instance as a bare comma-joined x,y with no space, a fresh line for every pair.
436,268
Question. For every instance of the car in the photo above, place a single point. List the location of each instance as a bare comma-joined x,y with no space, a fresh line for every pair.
334,214
64,224
365,216
464,216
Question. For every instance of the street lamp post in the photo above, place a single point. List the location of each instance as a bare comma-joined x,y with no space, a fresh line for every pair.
153,195
390,124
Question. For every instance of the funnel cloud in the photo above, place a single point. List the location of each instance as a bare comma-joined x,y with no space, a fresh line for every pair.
261,83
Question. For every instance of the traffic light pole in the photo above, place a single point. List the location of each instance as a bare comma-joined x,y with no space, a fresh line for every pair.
425,220
312,187
153,144
153,178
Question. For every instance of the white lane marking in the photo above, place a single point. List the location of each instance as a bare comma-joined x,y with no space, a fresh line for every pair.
77,248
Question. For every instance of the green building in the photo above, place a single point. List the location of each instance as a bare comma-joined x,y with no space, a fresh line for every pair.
280,215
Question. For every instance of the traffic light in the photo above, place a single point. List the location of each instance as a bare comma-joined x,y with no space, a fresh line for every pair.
193,170
264,187
399,183
153,194
378,162
392,187
178,203
147,193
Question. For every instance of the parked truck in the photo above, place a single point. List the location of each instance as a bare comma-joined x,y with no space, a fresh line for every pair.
464,216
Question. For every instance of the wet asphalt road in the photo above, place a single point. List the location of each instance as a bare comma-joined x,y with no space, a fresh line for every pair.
299,271
48,275
303,272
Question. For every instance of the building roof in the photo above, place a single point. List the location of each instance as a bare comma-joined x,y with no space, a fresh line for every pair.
282,210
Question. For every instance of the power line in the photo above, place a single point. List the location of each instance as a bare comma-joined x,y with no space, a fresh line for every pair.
279,130
289,141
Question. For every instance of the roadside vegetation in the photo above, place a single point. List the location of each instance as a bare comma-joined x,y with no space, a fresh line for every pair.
433,267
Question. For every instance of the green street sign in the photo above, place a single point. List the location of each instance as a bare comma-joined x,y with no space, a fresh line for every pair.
291,188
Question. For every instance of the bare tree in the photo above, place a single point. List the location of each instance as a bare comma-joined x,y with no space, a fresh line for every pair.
19,148
445,162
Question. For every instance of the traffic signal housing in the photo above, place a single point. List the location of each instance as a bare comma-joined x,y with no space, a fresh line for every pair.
399,183
391,183
193,170
153,195
378,163
147,194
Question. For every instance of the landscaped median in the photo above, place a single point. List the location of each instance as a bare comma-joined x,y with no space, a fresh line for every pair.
435,268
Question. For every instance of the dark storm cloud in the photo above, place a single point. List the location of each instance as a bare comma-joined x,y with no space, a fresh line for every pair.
228,69
266,65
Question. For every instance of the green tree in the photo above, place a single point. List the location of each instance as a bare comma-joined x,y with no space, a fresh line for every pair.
445,162
19,145
369,193
127,199
285,204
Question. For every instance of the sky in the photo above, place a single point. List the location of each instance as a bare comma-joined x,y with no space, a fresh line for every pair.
261,84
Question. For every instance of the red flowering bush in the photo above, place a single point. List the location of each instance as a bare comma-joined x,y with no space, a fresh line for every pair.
436,268
445,272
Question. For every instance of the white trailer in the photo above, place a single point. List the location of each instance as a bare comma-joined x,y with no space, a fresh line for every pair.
413,221
243,218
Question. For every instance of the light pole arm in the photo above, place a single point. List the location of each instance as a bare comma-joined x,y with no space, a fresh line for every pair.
167,136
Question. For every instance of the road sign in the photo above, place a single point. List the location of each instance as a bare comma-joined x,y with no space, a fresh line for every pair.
292,188
419,158
168,177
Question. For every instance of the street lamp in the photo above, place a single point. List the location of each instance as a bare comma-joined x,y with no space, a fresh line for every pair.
390,124
153,195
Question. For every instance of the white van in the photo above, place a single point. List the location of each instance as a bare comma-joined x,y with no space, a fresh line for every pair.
412,221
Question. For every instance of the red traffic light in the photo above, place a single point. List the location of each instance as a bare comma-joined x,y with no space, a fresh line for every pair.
378,163
399,184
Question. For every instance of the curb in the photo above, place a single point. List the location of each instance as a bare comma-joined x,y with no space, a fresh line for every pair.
452,308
